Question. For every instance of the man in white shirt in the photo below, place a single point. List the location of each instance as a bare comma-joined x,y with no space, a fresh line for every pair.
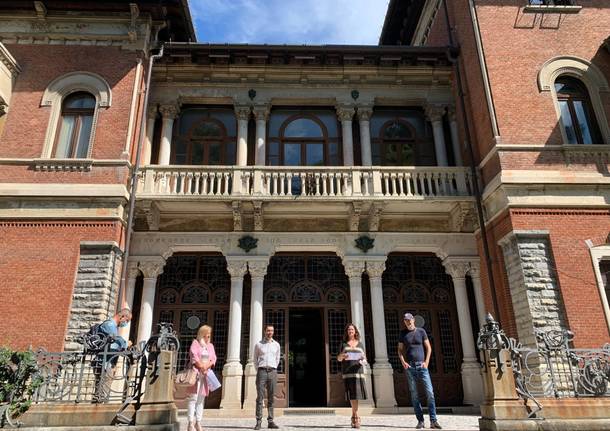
266,359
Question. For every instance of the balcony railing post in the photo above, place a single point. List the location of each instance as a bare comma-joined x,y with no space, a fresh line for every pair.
149,181
356,182
460,180
377,189
237,183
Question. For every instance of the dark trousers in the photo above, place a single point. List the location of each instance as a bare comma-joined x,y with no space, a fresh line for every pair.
266,379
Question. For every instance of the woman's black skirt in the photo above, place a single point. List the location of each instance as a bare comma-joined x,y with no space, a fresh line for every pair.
353,380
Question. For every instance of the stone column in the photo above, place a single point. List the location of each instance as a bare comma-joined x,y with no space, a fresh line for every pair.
354,270
471,371
455,137
475,276
434,113
382,370
150,131
257,270
232,371
346,114
261,113
151,269
364,117
132,273
169,113
243,115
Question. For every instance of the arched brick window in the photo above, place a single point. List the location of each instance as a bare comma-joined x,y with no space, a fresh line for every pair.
577,115
75,125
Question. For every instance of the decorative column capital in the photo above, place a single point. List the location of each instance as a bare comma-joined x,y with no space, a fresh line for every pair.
237,268
456,268
434,112
261,112
475,269
258,268
354,268
169,111
375,269
452,113
151,267
345,112
152,111
364,113
242,112
133,269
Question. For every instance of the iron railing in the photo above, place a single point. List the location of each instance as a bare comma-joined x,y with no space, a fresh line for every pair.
553,368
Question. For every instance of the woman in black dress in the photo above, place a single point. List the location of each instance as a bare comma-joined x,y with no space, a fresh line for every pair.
352,357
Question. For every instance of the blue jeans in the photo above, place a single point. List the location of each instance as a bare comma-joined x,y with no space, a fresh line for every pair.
415,374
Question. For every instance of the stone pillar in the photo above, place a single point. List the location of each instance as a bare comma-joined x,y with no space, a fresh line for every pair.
150,131
232,371
169,113
455,137
243,116
346,114
151,269
475,276
130,291
471,371
382,370
257,270
434,113
364,117
261,113
354,270
157,408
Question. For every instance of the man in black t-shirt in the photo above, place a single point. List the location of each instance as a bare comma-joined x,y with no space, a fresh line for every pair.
414,351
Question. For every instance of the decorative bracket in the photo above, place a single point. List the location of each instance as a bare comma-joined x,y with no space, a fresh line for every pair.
236,208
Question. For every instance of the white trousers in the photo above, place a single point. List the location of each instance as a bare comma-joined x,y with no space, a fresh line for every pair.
195,407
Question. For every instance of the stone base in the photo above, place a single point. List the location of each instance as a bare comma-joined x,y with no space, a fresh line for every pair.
544,425
173,427
73,415
472,383
157,413
384,385
231,386
250,387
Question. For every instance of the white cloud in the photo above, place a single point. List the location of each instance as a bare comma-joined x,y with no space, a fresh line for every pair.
289,21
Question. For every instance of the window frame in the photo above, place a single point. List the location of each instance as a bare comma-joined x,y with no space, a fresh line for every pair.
585,98
74,138
382,141
598,254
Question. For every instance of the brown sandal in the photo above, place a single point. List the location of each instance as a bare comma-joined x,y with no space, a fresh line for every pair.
355,422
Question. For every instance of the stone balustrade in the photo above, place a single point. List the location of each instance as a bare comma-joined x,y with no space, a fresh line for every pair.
305,182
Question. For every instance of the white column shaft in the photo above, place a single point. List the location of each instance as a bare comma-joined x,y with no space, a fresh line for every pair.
166,141
365,143
242,142
237,286
381,348
261,126
439,143
129,294
146,309
355,293
455,142
348,143
147,150
461,302
478,297
256,314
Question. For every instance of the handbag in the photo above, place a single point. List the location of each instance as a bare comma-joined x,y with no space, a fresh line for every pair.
188,376
212,381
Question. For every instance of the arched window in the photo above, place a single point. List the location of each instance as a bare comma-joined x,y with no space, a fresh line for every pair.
577,115
397,144
75,124
205,137
303,138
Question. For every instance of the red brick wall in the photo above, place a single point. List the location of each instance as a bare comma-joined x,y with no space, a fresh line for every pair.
38,263
27,122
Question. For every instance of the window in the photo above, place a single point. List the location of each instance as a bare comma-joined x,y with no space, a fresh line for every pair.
401,138
604,269
577,115
303,138
205,136
74,129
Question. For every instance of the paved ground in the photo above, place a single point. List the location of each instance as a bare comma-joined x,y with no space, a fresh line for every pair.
327,422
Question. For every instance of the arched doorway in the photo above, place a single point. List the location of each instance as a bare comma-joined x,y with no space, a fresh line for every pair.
418,284
307,301
192,291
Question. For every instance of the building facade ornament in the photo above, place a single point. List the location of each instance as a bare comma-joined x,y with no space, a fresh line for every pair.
457,269
259,222
261,112
237,221
151,267
345,112
237,268
375,269
258,268
242,112
354,268
434,112
169,111
364,113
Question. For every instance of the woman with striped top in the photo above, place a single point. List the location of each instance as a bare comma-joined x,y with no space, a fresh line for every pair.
352,358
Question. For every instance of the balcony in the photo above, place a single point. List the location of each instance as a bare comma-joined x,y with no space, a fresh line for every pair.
303,183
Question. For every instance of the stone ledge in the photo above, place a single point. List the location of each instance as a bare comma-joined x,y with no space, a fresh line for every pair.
541,8
62,165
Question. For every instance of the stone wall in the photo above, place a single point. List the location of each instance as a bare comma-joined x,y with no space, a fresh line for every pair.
95,290
536,296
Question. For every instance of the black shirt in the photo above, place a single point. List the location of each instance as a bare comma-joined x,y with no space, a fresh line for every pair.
414,344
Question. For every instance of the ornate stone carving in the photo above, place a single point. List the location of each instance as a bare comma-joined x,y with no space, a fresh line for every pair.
364,113
375,268
242,112
365,243
456,268
169,111
459,216
375,216
354,268
132,269
132,31
475,269
236,208
258,268
452,113
3,107
152,214
247,243
152,111
345,112
434,112
259,223
151,268
41,9
237,268
261,112
354,216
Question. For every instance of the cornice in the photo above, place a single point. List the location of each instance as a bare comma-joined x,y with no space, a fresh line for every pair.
8,60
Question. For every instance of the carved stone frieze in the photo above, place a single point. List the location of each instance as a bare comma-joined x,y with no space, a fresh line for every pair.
259,222
152,214
461,217
237,221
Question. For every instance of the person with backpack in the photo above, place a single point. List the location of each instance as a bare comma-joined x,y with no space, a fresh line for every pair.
105,361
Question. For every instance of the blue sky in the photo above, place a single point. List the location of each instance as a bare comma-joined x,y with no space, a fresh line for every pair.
311,22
